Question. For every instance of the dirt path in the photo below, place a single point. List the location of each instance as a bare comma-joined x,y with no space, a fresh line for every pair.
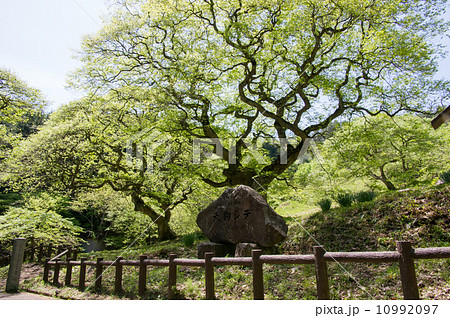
29,271
23,296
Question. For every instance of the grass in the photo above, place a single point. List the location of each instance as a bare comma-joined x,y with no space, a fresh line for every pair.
420,216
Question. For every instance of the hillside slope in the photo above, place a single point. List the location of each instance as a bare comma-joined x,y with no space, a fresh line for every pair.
421,216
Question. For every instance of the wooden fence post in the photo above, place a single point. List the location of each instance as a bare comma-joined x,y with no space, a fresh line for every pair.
118,276
75,253
82,279
69,253
172,284
56,272
142,275
46,269
68,273
32,252
49,250
209,276
323,289
98,274
258,277
407,271
59,250
40,253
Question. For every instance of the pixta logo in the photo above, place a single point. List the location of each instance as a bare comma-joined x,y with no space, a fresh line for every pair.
263,150
143,148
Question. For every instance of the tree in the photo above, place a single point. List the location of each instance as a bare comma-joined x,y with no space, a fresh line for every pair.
402,150
91,144
251,70
21,111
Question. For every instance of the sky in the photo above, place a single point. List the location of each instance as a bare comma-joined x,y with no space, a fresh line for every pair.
38,39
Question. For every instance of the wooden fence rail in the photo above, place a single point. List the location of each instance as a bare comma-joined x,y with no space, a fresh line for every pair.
404,256
38,253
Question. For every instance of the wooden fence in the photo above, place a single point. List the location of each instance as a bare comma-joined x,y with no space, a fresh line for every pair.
41,253
38,253
404,256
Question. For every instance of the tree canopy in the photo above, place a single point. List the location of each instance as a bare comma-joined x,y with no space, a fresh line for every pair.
21,111
251,70
90,144
16,97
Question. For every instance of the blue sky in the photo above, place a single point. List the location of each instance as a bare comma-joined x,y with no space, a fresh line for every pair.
38,39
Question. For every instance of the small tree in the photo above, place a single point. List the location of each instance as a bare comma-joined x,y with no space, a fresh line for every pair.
109,216
402,150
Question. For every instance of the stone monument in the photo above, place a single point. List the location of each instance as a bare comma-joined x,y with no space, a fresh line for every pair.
15,267
240,215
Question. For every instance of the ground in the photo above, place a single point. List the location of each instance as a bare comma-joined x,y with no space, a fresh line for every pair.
29,271
23,296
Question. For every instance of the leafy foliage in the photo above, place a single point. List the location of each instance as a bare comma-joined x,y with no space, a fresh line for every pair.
21,111
94,144
39,226
8,199
16,97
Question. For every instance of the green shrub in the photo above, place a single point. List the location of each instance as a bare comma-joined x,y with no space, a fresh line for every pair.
189,239
39,226
445,177
345,199
325,204
365,196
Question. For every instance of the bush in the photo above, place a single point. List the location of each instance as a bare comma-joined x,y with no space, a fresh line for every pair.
365,196
345,199
189,239
445,177
39,226
325,204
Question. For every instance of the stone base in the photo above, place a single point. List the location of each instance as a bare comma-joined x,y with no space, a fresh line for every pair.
245,249
219,250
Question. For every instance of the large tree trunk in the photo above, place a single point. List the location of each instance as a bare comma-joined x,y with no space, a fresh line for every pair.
236,174
388,184
162,221
165,233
